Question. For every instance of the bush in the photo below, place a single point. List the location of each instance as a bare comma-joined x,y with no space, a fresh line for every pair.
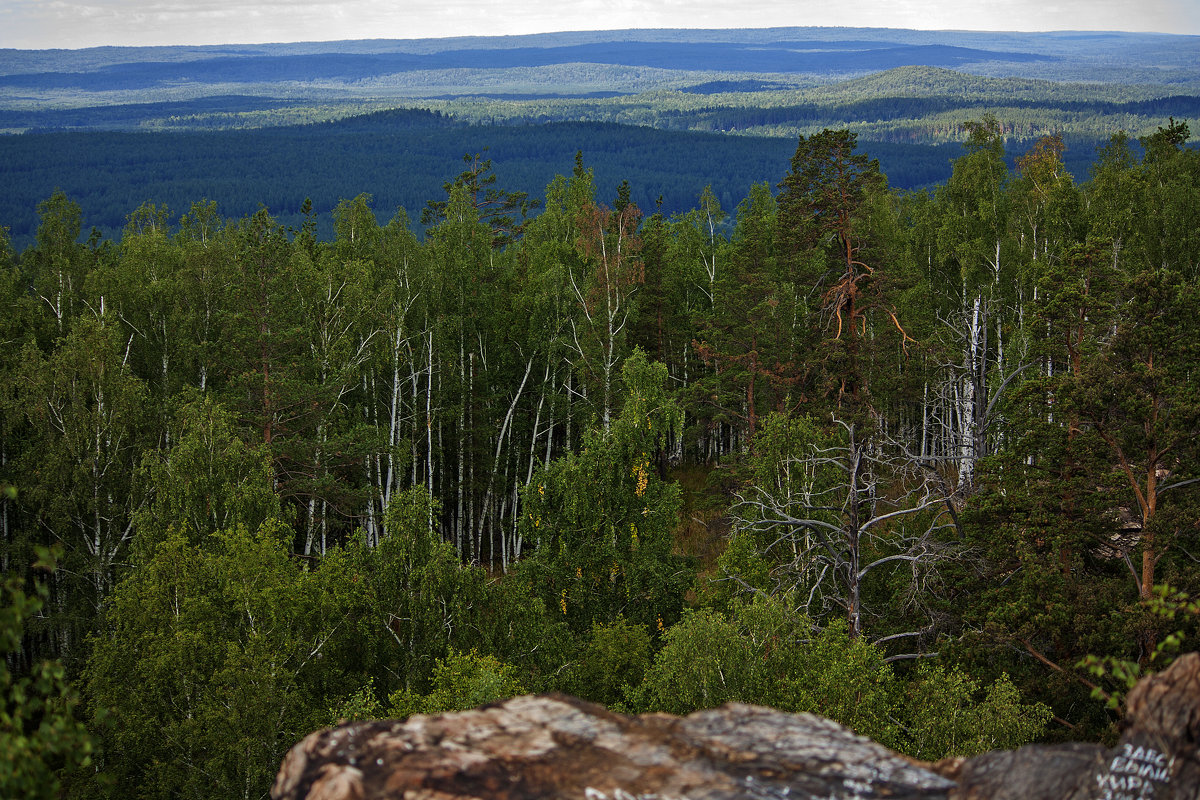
460,681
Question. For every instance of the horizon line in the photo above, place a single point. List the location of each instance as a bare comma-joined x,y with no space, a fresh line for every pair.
585,31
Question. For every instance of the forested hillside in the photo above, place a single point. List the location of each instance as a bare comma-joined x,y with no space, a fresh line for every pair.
891,85
400,157
908,460
669,111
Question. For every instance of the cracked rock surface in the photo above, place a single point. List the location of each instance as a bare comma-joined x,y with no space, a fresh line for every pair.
554,746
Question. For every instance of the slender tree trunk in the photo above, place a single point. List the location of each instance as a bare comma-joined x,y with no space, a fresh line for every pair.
550,425
429,427
925,421
854,598
537,422
751,412
462,425
1149,551
469,434
415,438
372,466
394,406
968,401
570,406
504,428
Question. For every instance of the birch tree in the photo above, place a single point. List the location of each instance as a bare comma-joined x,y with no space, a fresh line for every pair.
59,264
18,328
1053,559
397,381
204,280
208,480
208,660
604,290
87,411
602,518
140,289
339,306
975,243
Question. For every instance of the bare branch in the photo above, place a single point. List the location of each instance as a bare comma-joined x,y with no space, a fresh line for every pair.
1175,485
987,414
905,656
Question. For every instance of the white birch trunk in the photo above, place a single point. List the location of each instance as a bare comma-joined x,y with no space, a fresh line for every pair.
504,427
967,402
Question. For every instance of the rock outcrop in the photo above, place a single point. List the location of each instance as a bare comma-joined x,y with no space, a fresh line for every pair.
1157,756
554,746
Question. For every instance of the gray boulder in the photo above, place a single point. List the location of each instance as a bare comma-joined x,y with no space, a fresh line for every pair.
554,746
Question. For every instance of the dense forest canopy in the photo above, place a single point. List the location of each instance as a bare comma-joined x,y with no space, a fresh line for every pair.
903,459
401,158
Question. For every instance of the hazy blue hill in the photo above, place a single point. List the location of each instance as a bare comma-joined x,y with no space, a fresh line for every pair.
130,115
1078,43
768,68
903,104
778,57
751,50
719,87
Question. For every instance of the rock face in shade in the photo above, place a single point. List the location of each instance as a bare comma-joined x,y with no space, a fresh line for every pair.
553,746
1157,756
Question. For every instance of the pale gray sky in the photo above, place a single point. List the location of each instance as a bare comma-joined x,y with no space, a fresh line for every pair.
86,23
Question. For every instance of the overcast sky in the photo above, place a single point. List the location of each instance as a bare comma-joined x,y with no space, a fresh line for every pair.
87,23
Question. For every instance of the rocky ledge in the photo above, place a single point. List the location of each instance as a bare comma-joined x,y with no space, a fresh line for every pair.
554,746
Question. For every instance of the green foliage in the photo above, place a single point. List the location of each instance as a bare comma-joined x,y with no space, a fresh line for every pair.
410,597
209,480
742,571
766,653
415,609
40,738
203,671
704,662
948,717
513,623
603,517
828,203
745,331
461,681
205,416
497,208
361,705
612,664
826,186
1170,606
85,411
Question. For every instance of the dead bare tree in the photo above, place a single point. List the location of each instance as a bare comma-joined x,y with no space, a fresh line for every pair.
844,508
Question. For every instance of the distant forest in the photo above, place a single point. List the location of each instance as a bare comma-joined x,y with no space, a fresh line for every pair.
781,57
401,158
